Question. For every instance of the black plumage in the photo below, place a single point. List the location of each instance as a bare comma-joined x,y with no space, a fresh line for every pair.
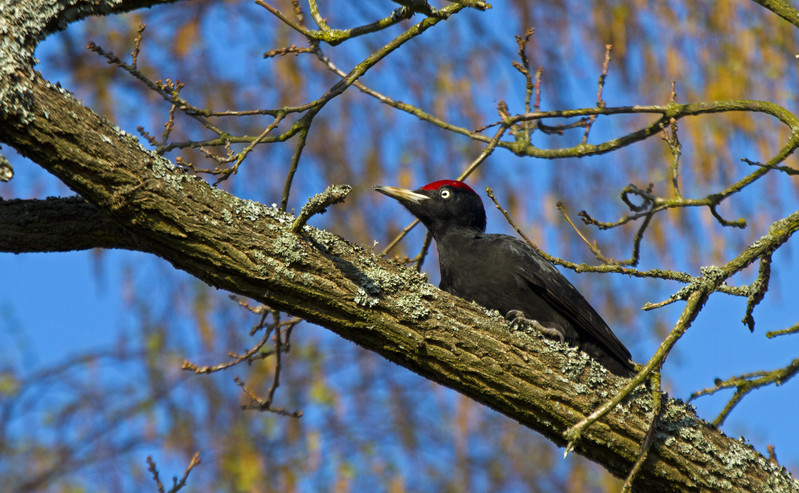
504,273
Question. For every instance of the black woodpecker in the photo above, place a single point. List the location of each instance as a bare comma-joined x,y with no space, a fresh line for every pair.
504,273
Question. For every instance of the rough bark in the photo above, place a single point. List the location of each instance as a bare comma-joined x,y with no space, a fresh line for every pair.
58,225
247,248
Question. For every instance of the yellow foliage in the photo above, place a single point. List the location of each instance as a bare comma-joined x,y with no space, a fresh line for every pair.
186,37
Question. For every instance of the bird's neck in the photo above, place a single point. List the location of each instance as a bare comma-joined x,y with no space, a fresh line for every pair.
454,244
455,236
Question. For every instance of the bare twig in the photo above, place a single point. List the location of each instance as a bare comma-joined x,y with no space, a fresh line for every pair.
246,151
399,237
187,365
134,56
295,161
475,4
168,90
254,353
154,471
293,50
785,169
529,87
289,22
176,485
419,260
320,21
673,142
337,36
758,290
318,204
265,404
657,402
593,246
791,330
600,103
743,384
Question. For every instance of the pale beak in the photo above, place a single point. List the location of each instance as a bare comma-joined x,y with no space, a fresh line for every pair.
402,194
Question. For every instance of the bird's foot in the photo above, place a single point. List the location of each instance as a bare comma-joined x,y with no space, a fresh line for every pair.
519,321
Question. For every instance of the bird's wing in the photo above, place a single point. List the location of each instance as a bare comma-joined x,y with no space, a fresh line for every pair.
556,290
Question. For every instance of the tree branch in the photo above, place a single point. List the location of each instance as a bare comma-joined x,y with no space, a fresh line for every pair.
58,225
782,9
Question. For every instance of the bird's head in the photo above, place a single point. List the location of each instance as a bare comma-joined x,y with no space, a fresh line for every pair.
442,206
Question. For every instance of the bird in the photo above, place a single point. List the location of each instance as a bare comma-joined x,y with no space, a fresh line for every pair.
504,273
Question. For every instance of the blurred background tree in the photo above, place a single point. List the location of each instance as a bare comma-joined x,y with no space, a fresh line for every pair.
83,414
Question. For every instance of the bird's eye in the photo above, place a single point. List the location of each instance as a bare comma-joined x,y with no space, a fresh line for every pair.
445,194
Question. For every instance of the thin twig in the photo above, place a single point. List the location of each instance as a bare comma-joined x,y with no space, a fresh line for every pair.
337,36
176,485
419,260
265,404
154,471
600,103
791,330
295,160
593,246
320,21
246,151
293,50
134,56
759,287
237,359
524,68
743,384
657,402
283,17
318,204
785,169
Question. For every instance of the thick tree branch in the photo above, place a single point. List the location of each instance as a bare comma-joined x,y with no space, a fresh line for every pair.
58,225
783,9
